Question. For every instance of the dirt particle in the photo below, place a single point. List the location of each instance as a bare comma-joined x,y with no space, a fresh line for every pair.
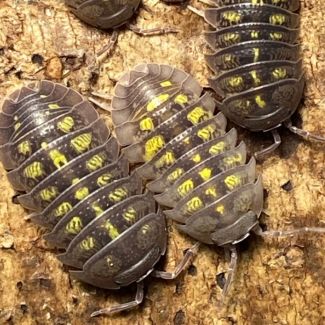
179,318
37,59
54,68
287,186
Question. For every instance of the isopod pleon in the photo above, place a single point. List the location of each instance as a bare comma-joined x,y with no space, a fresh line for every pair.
61,158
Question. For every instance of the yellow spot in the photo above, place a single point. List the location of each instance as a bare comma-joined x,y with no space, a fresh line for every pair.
58,158
229,58
111,230
187,140
181,99
81,193
220,209
177,173
277,19
152,146
17,126
232,181
194,204
146,124
109,261
242,104
279,73
104,179
231,37
24,148
66,124
256,52
145,229
255,34
207,132
232,16
198,114
185,187
205,173
97,208
130,214
196,158
34,170
211,191
157,101
166,83
49,193
63,209
217,148
53,106
233,160
166,160
82,142
276,36
259,101
75,181
95,162
255,77
235,81
44,145
87,244
74,226
118,194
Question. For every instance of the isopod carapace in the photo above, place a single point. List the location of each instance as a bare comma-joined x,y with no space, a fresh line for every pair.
68,172
257,61
104,14
199,173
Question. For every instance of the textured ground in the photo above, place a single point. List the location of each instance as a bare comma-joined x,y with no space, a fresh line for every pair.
278,281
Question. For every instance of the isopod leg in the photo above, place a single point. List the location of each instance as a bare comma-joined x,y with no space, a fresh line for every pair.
190,253
118,308
287,233
104,106
304,134
105,51
209,3
231,271
152,31
260,155
196,11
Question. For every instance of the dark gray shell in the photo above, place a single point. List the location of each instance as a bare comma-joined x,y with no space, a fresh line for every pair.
188,158
104,14
256,59
60,153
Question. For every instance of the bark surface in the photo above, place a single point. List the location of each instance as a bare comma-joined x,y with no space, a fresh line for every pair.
278,281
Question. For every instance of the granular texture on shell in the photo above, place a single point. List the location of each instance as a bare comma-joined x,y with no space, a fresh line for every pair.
104,14
199,171
60,155
256,60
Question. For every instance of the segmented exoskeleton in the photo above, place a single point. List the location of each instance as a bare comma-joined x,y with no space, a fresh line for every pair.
60,154
197,168
257,62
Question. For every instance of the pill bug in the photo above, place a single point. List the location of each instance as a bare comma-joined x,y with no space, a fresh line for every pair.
197,170
256,59
113,14
62,160
103,14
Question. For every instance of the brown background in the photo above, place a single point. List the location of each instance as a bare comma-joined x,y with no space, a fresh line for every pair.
278,281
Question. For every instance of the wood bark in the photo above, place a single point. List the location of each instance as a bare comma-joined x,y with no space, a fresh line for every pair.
278,281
